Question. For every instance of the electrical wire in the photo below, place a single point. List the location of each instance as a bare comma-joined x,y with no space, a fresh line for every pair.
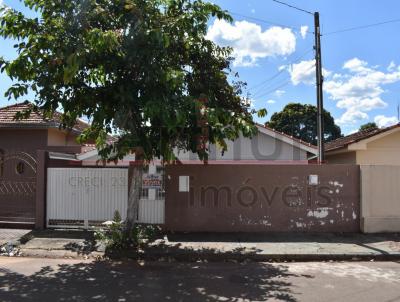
291,6
268,22
281,85
360,27
278,73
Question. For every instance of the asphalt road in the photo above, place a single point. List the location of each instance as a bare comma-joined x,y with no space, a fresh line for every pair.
28,279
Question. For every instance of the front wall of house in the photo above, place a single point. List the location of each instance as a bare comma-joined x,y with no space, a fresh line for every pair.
57,137
260,147
384,151
23,140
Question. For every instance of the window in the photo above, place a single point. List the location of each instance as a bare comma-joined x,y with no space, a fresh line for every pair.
1,162
20,168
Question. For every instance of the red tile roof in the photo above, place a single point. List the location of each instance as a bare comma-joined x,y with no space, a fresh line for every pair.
356,137
35,119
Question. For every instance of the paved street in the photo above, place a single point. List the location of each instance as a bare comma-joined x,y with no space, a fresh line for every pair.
29,279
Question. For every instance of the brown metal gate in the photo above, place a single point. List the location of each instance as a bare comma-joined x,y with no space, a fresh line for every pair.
17,188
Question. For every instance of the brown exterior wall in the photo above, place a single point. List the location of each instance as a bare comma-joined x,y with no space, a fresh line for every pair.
263,198
341,158
22,199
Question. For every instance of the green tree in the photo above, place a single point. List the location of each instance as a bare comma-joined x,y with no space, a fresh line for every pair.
300,121
368,127
140,68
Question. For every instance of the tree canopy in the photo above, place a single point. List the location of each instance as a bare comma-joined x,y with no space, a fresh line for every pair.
368,126
140,68
300,121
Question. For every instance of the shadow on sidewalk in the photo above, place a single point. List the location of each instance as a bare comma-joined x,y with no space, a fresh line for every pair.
130,280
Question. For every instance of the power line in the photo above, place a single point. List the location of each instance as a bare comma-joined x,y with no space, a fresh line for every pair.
267,22
281,84
361,27
291,6
298,58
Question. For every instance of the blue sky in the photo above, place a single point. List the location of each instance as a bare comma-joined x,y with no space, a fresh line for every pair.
362,73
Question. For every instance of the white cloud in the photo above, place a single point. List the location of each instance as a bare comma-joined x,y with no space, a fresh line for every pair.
250,43
351,117
359,91
356,65
303,31
279,93
391,66
253,11
385,121
303,72
271,102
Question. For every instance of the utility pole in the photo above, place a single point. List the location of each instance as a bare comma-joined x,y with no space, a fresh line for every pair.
320,101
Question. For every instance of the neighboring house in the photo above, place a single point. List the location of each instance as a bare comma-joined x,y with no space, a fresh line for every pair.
369,147
20,141
266,145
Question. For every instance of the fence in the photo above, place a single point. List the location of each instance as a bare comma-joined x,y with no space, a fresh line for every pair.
83,197
262,198
80,197
380,195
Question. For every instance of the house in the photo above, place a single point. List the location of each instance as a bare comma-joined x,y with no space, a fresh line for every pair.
24,178
369,147
267,145
20,141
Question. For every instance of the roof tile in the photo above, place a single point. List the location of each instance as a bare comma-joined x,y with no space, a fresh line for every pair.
356,137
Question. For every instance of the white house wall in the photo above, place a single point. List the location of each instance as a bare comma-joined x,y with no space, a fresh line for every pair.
260,147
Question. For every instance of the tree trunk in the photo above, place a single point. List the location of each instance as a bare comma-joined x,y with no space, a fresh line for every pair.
135,187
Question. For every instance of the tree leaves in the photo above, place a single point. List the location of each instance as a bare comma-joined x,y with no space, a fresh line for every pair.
137,67
300,121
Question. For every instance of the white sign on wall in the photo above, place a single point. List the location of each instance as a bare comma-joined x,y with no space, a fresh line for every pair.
152,181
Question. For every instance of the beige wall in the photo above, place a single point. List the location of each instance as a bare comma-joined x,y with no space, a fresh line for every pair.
383,151
58,137
380,198
260,147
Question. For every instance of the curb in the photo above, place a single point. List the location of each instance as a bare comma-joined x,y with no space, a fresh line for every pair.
202,256
221,257
59,254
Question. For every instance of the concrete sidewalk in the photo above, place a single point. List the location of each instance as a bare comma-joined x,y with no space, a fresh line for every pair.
221,247
279,246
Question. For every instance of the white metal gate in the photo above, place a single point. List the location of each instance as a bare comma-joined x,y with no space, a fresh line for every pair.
82,197
79,197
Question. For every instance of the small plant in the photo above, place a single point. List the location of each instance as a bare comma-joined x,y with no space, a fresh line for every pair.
115,236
